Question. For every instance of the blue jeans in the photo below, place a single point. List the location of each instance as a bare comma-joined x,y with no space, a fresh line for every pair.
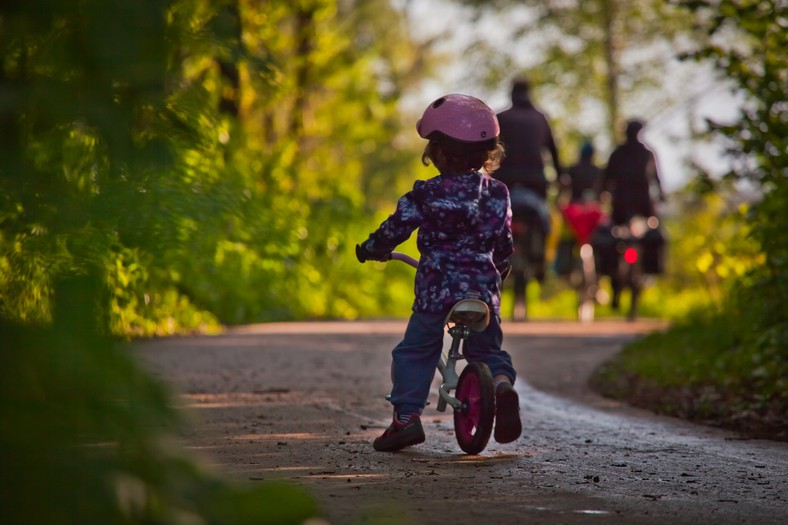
415,358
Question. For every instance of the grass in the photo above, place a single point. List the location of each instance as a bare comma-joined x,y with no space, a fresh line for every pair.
557,300
706,368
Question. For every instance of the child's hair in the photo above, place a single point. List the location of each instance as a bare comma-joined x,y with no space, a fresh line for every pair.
455,156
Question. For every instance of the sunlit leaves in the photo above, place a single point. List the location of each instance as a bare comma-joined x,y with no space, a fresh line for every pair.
122,154
735,350
86,435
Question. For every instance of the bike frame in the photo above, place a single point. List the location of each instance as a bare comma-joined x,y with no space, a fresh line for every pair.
447,364
630,272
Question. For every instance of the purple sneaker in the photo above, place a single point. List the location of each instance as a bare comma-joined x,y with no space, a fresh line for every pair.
507,414
400,435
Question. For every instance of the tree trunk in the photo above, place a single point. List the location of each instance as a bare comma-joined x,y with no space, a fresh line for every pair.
230,96
305,29
610,13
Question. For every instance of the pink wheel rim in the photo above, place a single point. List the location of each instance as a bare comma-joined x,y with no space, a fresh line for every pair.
469,393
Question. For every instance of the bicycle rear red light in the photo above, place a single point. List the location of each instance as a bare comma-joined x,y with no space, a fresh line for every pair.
631,255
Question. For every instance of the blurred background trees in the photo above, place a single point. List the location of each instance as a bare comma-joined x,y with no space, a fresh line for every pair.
757,61
213,159
217,160
726,239
595,63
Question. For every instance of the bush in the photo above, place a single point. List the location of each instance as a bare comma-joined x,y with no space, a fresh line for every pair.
86,436
713,367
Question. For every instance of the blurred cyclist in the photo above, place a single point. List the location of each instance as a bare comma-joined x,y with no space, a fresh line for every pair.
582,177
579,208
631,176
526,134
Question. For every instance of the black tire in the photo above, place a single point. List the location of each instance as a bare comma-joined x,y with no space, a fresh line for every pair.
473,421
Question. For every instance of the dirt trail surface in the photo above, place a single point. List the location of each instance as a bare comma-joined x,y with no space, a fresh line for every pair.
302,402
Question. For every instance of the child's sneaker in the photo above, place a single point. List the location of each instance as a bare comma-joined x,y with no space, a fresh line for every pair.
400,435
507,414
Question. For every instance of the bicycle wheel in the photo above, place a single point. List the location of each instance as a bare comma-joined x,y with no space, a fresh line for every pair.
473,421
588,289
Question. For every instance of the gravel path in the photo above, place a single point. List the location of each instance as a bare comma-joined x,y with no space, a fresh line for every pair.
301,402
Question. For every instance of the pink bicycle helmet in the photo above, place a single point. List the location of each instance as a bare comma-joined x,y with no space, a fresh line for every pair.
460,117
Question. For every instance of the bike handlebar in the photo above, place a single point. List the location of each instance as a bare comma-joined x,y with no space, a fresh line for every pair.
363,256
407,259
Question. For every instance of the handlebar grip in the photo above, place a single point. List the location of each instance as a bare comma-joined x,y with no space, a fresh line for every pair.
361,254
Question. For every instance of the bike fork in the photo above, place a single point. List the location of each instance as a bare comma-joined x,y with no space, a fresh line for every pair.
447,366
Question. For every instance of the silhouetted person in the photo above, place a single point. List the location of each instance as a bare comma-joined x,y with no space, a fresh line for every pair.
630,174
525,133
581,178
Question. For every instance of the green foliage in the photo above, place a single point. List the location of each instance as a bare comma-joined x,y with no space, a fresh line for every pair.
89,437
82,85
733,358
302,161
748,44
147,146
717,348
710,366
143,301
710,245
218,160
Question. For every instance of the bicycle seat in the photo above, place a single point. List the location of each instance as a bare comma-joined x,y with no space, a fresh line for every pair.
473,313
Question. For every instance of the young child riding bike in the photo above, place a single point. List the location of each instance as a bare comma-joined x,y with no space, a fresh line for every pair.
464,220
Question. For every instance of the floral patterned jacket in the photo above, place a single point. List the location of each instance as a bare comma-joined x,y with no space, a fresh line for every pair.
465,238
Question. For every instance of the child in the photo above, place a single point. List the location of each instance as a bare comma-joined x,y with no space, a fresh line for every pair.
465,240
